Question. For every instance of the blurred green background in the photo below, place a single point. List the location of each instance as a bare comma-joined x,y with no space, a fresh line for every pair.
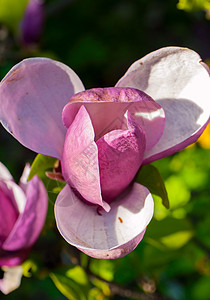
99,40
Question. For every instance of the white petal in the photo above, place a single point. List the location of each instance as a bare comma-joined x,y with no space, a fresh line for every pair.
178,81
89,230
11,280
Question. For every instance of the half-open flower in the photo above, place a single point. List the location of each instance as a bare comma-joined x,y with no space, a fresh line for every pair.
22,215
102,137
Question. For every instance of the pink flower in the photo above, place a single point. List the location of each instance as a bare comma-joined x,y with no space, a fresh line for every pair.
103,136
22,215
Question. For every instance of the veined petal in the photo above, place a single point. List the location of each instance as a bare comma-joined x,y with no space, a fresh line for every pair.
120,155
32,96
178,81
31,220
80,159
107,107
104,235
117,252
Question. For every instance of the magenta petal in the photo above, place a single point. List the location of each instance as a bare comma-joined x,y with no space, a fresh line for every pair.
31,220
32,96
178,80
8,215
107,108
13,258
120,154
80,159
104,235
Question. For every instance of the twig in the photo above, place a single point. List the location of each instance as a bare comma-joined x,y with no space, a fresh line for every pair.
125,292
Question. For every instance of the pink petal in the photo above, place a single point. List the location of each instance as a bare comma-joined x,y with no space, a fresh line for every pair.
120,154
32,96
178,81
8,215
107,107
80,159
15,193
31,220
117,252
104,235
13,258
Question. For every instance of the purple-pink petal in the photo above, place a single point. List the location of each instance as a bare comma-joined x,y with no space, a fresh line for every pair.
107,107
120,154
32,96
101,234
177,80
31,220
32,23
80,159
13,258
8,215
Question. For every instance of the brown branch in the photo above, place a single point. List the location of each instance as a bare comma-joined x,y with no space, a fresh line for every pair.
119,290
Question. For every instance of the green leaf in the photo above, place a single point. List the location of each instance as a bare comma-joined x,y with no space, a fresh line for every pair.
78,275
150,177
68,287
178,239
11,12
103,286
167,226
40,164
103,268
193,5
200,288
170,232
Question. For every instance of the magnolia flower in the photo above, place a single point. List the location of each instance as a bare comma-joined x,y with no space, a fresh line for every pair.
22,216
102,136
32,22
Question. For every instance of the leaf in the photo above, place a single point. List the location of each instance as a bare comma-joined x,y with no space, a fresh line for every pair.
166,227
103,268
193,5
68,287
177,240
170,232
103,286
11,12
96,294
150,177
40,164
78,275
